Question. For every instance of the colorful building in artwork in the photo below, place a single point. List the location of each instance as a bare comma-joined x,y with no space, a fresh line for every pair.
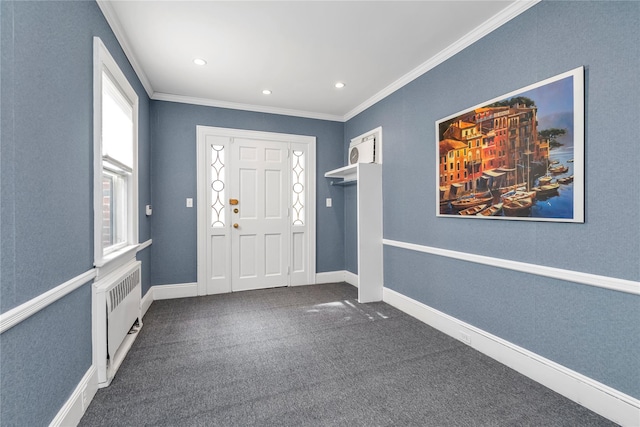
453,173
489,147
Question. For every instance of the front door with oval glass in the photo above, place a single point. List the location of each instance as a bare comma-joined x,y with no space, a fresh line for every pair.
256,217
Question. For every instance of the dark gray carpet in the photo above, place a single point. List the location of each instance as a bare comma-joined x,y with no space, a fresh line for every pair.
313,356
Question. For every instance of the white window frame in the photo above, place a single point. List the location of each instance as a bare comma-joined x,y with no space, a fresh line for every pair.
116,255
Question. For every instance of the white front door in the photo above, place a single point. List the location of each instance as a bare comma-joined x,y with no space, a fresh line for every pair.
256,210
260,244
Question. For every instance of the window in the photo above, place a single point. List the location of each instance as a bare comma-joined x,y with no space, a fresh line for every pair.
217,186
298,191
115,159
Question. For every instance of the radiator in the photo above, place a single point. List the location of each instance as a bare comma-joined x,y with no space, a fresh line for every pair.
118,318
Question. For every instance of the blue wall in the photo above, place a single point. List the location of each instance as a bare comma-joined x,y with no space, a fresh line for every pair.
591,330
173,175
46,202
47,196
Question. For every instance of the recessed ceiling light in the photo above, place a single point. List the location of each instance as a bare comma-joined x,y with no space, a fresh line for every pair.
339,85
199,61
266,92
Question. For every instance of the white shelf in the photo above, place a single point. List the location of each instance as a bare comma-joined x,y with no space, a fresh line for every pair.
346,173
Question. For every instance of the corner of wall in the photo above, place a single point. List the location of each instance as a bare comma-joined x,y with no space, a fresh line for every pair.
74,408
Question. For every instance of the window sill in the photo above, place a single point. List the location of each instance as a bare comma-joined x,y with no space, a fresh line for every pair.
115,260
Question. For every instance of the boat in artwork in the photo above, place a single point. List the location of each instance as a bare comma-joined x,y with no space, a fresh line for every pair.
521,185
566,179
473,210
517,207
543,180
492,210
546,190
518,194
471,201
558,169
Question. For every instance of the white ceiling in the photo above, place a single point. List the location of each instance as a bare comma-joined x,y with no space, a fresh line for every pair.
297,49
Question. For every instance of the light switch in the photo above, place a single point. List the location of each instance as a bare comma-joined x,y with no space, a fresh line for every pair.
328,202
189,202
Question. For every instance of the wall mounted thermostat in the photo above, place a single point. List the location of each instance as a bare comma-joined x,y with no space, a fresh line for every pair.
363,151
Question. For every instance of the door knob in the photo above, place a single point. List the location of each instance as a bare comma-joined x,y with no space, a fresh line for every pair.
233,201
235,225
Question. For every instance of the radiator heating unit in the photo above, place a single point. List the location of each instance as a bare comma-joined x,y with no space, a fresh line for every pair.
118,318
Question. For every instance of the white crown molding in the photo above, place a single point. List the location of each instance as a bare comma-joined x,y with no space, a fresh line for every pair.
113,21
600,398
510,12
16,315
504,16
245,107
611,283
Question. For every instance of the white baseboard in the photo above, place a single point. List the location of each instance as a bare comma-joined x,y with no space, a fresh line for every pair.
146,301
337,276
72,411
183,290
351,278
330,277
158,292
602,399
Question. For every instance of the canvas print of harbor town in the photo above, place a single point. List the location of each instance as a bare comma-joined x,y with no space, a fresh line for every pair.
517,157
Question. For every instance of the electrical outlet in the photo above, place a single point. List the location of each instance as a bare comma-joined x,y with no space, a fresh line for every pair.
328,202
465,337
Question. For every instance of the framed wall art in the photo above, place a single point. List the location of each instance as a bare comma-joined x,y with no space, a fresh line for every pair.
519,156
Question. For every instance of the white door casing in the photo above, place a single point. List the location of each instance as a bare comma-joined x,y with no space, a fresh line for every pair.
273,178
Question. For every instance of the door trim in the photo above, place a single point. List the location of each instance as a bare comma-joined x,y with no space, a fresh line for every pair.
201,133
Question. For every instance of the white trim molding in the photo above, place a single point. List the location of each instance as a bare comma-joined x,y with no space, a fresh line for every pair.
146,302
336,277
182,290
504,16
157,96
158,292
31,307
144,245
74,408
330,277
351,278
600,398
112,19
611,283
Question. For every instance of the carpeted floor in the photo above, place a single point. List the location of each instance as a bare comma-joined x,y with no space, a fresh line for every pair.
313,356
